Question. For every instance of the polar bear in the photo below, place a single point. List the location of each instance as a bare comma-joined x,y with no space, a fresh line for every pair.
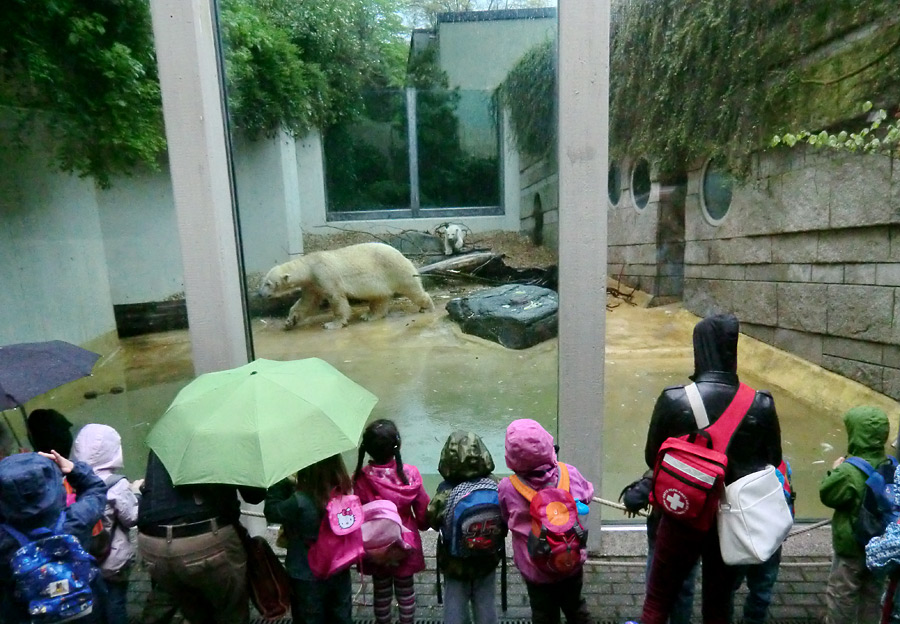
372,272
453,235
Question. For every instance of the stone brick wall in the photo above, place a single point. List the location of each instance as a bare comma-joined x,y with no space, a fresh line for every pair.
539,189
646,246
808,257
632,234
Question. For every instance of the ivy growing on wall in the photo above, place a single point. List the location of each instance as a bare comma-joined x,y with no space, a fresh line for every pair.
529,94
694,79
86,71
698,79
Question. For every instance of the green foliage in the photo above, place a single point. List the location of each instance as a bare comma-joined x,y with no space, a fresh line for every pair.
86,69
361,175
269,84
357,45
529,94
716,78
874,138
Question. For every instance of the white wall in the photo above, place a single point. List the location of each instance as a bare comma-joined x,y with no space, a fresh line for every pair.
140,234
479,55
54,282
263,212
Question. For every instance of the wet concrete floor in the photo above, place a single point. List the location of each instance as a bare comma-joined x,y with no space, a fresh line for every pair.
431,379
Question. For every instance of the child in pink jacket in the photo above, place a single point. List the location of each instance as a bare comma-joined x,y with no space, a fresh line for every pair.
387,478
531,455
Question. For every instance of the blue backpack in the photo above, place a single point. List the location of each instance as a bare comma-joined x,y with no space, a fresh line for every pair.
878,509
473,526
53,574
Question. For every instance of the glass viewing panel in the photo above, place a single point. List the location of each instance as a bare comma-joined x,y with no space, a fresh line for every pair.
640,183
91,251
299,188
458,146
614,184
367,159
779,227
718,184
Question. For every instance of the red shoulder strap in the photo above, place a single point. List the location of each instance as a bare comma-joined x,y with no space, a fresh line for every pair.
721,431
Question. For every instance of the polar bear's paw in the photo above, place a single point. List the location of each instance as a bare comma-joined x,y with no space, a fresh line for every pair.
290,323
335,324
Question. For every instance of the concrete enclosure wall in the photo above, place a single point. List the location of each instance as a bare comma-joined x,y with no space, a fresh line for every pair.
808,257
539,200
54,281
466,46
140,235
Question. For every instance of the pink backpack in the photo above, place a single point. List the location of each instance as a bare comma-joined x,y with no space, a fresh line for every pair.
340,541
386,541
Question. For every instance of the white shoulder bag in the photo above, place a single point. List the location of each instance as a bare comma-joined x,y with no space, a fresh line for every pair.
754,517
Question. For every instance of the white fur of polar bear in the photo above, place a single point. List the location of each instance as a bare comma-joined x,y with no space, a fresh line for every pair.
372,272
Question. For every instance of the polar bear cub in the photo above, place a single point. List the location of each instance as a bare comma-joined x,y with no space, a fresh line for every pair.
453,235
372,272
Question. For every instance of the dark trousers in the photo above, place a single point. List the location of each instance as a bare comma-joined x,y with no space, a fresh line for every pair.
322,602
117,602
548,599
760,585
205,574
678,547
683,610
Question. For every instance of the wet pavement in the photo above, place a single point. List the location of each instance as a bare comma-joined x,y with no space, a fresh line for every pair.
431,379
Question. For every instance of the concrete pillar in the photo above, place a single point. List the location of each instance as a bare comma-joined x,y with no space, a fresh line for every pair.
512,185
291,184
311,181
583,154
184,32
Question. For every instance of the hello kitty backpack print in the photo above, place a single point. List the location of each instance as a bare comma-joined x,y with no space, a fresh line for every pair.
340,543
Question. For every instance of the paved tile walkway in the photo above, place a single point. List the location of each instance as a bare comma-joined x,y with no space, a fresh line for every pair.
614,582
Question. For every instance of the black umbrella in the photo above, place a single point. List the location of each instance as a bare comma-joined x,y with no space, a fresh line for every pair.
30,369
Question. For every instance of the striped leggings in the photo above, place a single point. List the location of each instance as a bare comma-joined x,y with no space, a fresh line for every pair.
384,589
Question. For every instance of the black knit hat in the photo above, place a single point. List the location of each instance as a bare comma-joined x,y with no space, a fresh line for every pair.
49,430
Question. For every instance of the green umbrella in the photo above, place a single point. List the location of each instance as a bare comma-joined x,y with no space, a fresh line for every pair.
256,424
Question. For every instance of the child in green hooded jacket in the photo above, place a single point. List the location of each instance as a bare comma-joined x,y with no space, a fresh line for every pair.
466,460
854,593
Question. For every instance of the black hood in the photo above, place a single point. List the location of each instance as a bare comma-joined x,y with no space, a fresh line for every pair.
715,344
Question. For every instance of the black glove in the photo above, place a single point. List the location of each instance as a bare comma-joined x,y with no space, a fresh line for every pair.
636,496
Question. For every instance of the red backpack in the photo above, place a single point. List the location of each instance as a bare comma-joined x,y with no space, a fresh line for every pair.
558,539
690,470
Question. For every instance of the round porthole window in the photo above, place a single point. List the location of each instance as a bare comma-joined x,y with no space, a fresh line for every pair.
716,191
614,184
640,183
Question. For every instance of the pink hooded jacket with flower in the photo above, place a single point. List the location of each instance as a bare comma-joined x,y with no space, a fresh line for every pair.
380,481
529,450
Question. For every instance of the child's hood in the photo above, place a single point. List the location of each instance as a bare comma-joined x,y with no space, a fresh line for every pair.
100,447
867,431
465,457
529,447
31,490
384,479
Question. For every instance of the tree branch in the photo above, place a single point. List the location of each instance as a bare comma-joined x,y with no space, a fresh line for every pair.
856,71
